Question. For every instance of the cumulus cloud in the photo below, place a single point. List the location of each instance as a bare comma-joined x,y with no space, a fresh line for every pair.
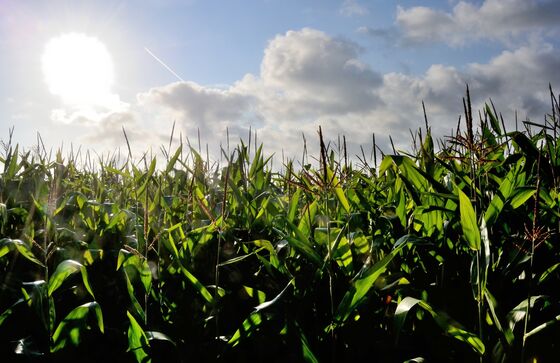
308,78
90,114
309,74
352,7
499,20
519,78
197,106
108,134
305,76
516,80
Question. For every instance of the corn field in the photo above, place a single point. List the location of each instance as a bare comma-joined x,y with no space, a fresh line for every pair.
449,252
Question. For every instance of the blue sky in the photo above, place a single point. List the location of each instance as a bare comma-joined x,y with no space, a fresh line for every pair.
281,67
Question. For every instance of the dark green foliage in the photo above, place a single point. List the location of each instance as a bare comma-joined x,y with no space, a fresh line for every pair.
448,255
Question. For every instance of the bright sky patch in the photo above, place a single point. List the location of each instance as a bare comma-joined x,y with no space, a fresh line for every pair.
78,68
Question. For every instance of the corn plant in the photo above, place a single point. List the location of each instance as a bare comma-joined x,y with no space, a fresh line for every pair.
453,243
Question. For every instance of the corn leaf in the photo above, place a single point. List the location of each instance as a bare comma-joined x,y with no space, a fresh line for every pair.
468,221
365,280
138,342
65,269
71,327
448,325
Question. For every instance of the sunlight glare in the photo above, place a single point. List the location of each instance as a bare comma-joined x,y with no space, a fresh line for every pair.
79,69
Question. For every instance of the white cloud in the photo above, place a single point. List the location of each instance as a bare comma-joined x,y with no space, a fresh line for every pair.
196,106
520,78
308,78
515,80
499,20
352,7
307,74
69,114
108,134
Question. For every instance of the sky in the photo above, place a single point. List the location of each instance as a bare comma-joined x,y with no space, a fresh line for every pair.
78,72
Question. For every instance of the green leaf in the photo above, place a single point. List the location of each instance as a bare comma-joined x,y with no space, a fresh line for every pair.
507,185
307,353
138,342
542,327
146,177
506,334
70,328
65,269
93,254
364,281
9,310
448,325
274,261
521,195
197,285
298,233
156,335
267,304
468,221
547,272
259,295
247,328
338,190
11,165
3,217
294,200
343,254
493,120
8,245
80,200
169,242
306,249
360,243
402,312
118,218
485,257
173,159
190,277
40,303
238,259
134,301
307,218
518,313
136,266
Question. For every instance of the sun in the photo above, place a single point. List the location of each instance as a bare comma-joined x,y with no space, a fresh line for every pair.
79,69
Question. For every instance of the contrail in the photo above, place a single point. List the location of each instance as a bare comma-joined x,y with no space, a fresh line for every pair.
163,64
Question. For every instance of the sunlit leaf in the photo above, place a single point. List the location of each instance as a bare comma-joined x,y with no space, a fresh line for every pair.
138,342
545,275
365,281
7,245
521,195
468,221
65,269
9,310
542,327
294,200
338,190
268,304
448,325
247,328
70,329
519,312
